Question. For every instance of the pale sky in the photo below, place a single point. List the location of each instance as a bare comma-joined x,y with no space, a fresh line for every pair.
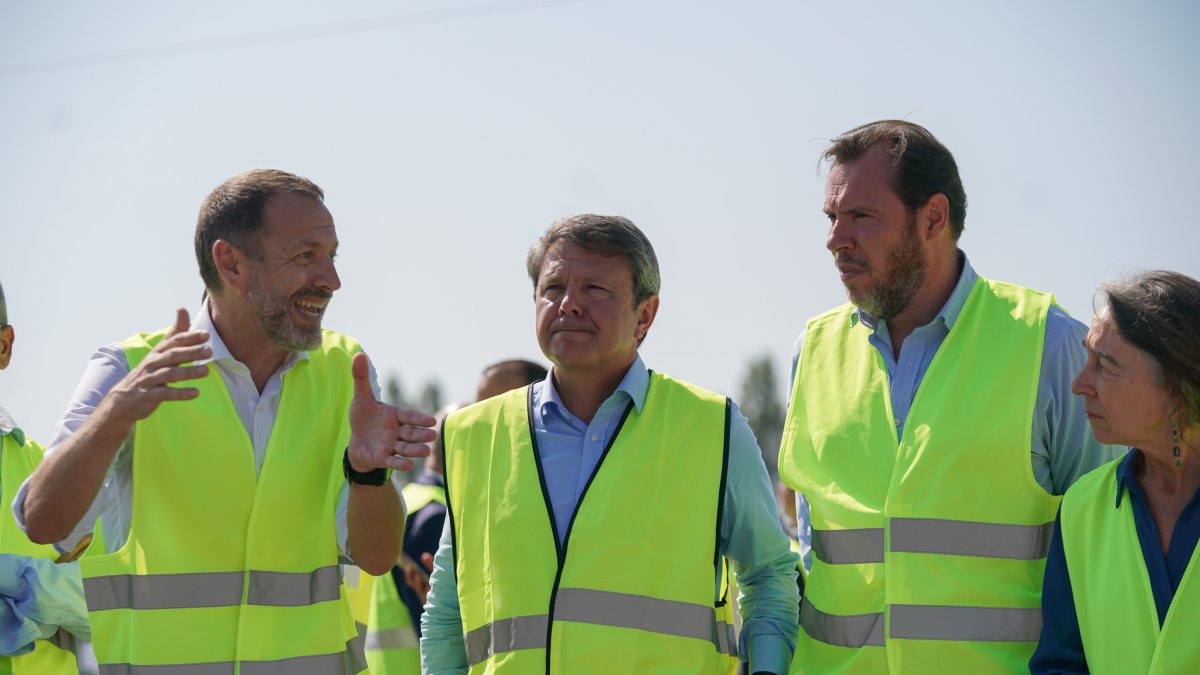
447,136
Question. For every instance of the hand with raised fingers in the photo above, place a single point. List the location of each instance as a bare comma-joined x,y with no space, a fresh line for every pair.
148,385
383,435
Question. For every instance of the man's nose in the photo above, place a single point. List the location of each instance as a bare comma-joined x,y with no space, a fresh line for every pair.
839,236
327,278
570,304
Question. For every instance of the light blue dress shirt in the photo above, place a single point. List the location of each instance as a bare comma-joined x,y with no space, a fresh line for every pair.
1063,448
750,532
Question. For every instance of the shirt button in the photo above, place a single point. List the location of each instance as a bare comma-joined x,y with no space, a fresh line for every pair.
595,437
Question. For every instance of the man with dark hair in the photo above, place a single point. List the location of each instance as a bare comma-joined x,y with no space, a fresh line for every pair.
234,459
23,616
594,513
506,376
929,514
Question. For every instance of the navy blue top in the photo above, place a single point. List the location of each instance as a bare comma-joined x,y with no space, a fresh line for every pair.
1060,650
422,530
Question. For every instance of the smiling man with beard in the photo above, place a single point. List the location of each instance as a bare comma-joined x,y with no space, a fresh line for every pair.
931,429
232,460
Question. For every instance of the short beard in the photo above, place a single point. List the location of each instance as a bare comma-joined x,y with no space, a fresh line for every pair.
274,317
901,279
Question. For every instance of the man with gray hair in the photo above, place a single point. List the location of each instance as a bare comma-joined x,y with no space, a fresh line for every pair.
232,460
26,568
594,514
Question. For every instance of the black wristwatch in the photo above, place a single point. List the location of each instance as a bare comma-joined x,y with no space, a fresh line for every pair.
374,477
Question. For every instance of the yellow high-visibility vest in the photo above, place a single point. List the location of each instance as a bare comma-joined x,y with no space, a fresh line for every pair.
19,456
631,588
1118,618
222,567
393,647
928,549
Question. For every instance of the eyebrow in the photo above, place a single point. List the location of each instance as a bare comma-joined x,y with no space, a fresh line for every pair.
1100,355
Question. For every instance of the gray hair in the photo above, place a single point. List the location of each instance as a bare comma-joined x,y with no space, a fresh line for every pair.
606,235
1159,313
3,307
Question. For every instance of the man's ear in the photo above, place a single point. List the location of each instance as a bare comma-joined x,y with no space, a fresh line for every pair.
7,336
936,216
232,264
645,316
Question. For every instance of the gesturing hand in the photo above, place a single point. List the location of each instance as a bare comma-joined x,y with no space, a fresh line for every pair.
383,435
140,392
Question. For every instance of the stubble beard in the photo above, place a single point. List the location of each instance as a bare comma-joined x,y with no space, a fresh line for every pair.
274,317
902,278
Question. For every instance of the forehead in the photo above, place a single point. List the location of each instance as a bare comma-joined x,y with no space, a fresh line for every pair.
868,177
292,218
567,258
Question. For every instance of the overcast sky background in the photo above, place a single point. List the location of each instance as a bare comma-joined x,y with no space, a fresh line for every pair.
447,136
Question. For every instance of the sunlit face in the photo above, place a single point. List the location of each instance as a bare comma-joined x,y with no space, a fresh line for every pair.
586,320
1123,391
294,278
873,237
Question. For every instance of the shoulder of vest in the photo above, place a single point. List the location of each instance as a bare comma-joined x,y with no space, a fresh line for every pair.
699,393
334,341
1003,289
1101,479
487,410
836,317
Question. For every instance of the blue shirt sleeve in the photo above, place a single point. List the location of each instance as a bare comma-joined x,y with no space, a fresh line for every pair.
443,651
753,538
1060,649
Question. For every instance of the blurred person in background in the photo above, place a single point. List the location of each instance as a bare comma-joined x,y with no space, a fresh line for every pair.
41,604
397,601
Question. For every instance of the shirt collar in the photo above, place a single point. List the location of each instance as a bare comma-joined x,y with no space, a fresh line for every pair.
220,352
949,312
9,426
1126,480
634,384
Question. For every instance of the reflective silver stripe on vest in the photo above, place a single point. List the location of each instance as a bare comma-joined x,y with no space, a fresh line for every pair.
971,624
62,639
640,612
210,589
725,639
223,668
958,537
854,630
322,664
163,591
506,635
844,547
294,589
393,638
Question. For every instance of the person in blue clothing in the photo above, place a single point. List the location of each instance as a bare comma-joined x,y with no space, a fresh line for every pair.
1121,593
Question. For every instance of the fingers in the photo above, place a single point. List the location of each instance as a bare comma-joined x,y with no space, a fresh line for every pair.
362,378
403,449
427,561
181,322
164,376
416,419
